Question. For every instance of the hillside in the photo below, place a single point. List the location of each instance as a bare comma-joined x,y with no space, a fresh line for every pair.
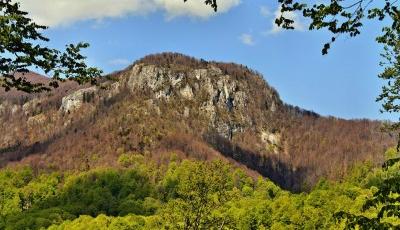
170,104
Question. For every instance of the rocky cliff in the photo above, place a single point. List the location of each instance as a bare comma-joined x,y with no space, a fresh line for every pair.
226,102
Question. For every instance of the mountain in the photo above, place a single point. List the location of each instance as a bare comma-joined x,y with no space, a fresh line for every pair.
17,97
171,105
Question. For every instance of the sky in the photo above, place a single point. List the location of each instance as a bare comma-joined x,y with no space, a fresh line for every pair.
343,83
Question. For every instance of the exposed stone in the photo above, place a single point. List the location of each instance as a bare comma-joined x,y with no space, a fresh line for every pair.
115,88
187,92
186,112
31,106
210,111
270,137
75,100
177,79
273,107
15,109
199,73
273,140
240,99
222,97
164,93
224,130
147,77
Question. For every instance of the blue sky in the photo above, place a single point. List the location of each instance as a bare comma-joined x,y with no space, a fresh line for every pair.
343,83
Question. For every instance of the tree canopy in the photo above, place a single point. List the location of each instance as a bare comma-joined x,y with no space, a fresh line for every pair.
142,194
23,46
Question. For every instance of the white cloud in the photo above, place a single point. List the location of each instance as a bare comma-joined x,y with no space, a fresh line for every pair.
298,24
264,10
247,39
65,12
119,62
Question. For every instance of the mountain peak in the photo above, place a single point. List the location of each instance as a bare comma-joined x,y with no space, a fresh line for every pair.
225,93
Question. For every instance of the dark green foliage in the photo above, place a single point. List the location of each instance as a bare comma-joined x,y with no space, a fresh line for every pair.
21,47
36,219
104,191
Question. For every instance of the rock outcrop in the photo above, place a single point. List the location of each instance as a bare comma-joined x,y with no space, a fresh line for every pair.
272,141
75,100
220,97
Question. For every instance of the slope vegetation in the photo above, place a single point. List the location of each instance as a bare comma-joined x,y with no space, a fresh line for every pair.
170,104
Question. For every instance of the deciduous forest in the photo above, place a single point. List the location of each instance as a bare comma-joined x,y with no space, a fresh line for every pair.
188,194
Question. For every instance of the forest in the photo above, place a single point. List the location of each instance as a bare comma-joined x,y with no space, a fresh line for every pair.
190,194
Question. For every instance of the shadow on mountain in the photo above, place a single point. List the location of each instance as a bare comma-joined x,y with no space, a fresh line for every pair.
18,151
269,166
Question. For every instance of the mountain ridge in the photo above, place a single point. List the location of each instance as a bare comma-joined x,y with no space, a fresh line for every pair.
171,104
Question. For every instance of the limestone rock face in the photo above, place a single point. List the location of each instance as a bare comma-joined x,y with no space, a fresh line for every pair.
115,89
75,100
221,89
187,92
199,73
272,140
147,77
220,97
15,109
186,112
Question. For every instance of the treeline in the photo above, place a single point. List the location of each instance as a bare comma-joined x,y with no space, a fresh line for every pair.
181,195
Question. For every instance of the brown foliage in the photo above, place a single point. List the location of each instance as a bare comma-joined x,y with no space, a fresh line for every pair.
311,146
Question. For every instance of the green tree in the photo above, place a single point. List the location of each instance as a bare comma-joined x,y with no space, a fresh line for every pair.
22,47
203,188
386,201
390,96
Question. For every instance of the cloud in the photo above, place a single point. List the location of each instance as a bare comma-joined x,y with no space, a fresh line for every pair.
65,12
119,62
264,10
298,24
247,39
